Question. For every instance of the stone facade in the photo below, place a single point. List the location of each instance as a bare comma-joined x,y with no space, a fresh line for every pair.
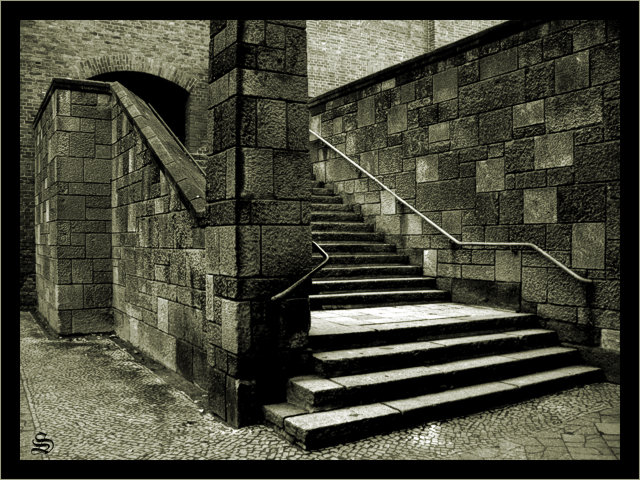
513,137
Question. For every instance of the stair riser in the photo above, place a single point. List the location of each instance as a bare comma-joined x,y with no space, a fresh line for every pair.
339,227
381,271
323,191
332,301
330,207
325,199
359,248
345,259
352,366
328,236
320,343
372,285
329,399
335,217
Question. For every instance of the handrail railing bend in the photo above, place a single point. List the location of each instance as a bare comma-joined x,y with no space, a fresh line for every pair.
445,233
290,289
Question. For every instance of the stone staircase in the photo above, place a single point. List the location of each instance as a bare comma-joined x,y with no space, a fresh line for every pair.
388,350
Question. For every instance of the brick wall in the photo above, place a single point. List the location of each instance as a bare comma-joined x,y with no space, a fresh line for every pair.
513,136
84,48
449,31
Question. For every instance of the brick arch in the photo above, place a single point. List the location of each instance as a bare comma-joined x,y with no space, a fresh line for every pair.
124,62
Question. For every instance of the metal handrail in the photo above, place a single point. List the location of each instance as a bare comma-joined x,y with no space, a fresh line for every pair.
290,289
174,136
449,236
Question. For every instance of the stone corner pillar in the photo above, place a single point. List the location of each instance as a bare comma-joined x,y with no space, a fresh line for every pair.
257,233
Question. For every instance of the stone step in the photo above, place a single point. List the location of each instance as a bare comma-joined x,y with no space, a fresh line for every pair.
330,207
401,355
329,236
412,328
346,246
314,393
368,258
371,284
338,226
316,184
367,270
324,198
322,191
365,298
335,217
321,429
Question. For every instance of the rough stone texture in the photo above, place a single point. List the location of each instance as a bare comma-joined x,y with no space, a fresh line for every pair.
540,205
587,245
490,175
554,150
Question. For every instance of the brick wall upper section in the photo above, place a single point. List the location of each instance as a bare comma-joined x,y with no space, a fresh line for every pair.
449,31
511,135
341,51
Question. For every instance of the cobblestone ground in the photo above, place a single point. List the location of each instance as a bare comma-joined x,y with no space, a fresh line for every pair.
96,401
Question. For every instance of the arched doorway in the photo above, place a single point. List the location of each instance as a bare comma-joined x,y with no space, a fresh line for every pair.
169,99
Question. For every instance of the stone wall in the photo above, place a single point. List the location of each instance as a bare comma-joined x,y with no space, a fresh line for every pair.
174,50
73,208
508,135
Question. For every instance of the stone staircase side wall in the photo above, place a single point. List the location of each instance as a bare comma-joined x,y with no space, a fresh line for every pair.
509,135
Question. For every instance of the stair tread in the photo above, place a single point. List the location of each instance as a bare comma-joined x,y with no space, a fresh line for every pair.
387,350
375,292
368,279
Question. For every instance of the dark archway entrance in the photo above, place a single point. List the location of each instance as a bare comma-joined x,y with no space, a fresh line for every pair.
167,98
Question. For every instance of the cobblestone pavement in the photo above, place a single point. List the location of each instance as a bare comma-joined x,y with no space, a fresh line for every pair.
95,400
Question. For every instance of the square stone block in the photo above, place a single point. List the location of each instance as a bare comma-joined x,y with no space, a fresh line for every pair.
430,263
92,320
71,207
397,119
540,205
68,297
439,132
498,63
97,170
286,250
445,85
98,245
610,339
69,169
427,168
81,271
490,175
508,266
411,224
588,245
526,114
553,150
572,72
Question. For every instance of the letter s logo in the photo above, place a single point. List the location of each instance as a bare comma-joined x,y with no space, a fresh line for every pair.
42,444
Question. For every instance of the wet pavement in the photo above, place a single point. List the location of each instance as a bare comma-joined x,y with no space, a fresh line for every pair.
97,400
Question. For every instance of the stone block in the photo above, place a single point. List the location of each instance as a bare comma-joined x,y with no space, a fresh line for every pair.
82,144
406,185
508,266
68,297
581,203
565,290
539,81
257,172
430,263
495,126
478,272
92,321
490,175
390,160
389,224
598,162
452,221
439,132
427,168
271,123
411,224
97,170
554,150
387,203
58,145
449,270
69,169
573,110
184,359
446,195
71,207
588,245
163,314
606,295
519,155
415,142
286,250
572,72
556,45
534,284
296,51
530,53
557,312
464,132
589,34
366,112
236,326
158,345
96,296
397,119
297,126
445,85
81,271
530,113
290,172
487,209
605,63
498,63
98,245
540,205
497,92
610,339
275,85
